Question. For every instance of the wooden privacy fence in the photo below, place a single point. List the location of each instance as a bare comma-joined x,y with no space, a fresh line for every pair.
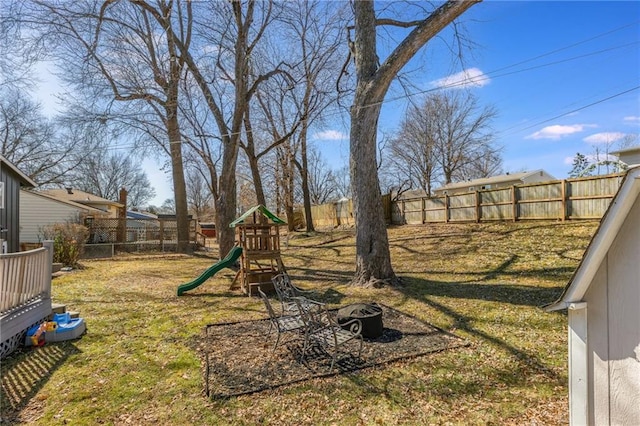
340,213
568,199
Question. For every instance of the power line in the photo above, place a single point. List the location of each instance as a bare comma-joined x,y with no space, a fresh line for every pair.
579,109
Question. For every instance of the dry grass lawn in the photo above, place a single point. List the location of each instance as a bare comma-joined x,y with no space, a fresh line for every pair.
138,364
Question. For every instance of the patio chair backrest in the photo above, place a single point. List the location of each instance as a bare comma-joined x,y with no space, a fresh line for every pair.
283,286
267,305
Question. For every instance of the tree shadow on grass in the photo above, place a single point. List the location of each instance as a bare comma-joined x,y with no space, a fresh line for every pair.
426,292
502,293
25,372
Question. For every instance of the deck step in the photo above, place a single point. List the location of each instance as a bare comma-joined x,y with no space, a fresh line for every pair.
58,308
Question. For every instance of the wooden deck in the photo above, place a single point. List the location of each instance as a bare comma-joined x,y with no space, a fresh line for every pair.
25,286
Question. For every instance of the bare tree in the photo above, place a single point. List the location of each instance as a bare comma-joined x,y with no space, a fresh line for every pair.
316,28
224,76
16,58
104,173
341,182
460,132
373,78
446,137
123,54
198,194
413,150
322,181
34,143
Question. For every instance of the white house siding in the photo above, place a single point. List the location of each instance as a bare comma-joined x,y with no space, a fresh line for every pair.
613,301
37,211
631,158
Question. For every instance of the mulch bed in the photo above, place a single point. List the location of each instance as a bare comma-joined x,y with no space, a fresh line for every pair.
238,360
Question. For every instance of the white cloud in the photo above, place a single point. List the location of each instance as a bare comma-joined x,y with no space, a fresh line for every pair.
604,137
632,119
330,135
557,131
472,77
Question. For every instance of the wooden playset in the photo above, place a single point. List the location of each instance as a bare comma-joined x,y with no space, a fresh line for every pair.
258,234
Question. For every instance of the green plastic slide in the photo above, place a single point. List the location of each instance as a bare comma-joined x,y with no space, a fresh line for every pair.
228,261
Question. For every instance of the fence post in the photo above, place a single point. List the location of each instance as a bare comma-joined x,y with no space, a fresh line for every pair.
423,208
477,206
161,234
446,208
563,204
514,203
48,244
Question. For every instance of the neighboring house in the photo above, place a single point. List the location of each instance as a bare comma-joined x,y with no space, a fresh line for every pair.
140,215
11,180
603,301
69,194
501,181
142,226
629,156
39,209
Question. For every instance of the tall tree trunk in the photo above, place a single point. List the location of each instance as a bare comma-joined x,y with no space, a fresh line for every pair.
225,203
257,179
289,183
373,259
175,146
254,165
304,174
179,186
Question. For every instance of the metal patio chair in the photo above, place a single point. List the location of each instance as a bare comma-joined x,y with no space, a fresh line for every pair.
293,324
287,292
323,329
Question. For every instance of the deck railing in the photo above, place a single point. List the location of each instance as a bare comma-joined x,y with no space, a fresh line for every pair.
25,293
24,277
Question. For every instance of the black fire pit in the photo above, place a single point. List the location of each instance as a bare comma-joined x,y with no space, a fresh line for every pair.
369,314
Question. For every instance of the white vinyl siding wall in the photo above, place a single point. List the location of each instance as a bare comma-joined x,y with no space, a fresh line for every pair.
614,330
37,211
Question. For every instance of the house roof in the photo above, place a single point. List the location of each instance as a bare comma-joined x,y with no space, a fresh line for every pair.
24,179
633,149
81,197
84,207
601,242
259,209
140,215
509,177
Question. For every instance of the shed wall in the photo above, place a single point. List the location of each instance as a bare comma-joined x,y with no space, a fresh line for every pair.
9,215
613,329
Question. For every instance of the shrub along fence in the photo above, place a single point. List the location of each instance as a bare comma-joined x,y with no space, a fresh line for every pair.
567,199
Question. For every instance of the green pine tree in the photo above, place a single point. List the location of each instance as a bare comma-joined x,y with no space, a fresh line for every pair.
580,166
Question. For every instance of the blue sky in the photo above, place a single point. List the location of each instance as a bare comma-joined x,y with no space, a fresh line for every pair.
563,77
555,71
